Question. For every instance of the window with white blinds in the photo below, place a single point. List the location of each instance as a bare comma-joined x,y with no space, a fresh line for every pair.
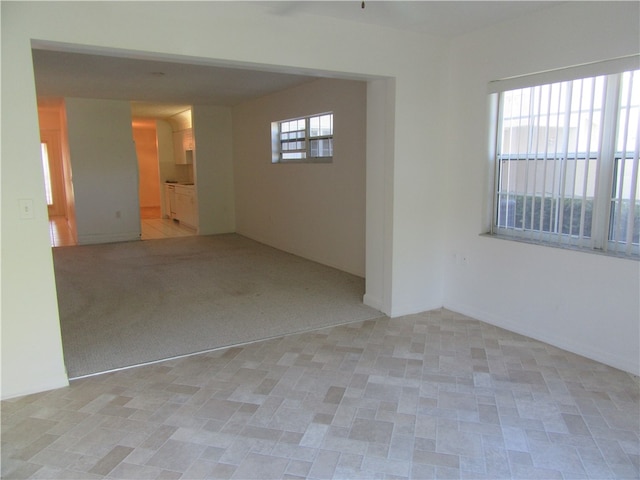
567,163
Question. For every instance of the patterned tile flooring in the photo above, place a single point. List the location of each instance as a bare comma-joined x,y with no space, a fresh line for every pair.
155,228
150,229
433,395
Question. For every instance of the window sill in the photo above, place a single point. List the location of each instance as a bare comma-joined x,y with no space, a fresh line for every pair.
572,248
323,160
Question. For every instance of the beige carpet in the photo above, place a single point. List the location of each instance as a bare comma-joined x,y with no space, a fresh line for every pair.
131,303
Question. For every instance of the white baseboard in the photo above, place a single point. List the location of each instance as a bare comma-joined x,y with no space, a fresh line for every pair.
373,302
401,312
50,384
608,358
89,239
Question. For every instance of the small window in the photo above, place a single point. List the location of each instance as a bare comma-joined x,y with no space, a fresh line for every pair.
567,168
305,139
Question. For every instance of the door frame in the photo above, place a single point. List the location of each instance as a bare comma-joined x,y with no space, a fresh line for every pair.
56,170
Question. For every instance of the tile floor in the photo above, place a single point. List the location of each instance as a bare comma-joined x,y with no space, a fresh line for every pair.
155,228
433,395
151,229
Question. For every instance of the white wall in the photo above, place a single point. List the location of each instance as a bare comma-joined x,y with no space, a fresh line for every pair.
315,210
379,192
213,169
105,170
410,265
235,33
31,344
582,302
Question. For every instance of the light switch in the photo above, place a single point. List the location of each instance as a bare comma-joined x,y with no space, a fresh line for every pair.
26,208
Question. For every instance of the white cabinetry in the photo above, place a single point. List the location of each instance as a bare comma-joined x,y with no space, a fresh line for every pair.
186,209
170,200
183,147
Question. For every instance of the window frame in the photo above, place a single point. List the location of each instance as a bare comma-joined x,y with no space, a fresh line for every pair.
277,152
601,237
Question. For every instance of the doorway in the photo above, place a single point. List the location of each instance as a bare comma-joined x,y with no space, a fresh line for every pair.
144,136
53,172
61,231
155,218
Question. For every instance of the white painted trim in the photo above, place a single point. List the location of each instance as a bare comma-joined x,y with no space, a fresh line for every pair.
408,310
108,238
373,302
51,384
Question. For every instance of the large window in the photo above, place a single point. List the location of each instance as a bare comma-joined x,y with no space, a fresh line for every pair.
567,163
305,139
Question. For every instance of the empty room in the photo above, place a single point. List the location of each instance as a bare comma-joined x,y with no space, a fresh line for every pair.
482,188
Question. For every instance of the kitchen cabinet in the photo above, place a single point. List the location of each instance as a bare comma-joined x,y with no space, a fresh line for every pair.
170,200
187,139
186,209
183,147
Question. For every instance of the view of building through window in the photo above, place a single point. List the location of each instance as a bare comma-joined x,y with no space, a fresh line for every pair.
303,139
567,163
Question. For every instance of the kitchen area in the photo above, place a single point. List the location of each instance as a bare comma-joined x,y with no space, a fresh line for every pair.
160,190
179,195
172,210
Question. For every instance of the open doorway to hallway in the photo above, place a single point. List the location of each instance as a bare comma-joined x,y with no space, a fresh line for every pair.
156,217
59,189
149,193
56,172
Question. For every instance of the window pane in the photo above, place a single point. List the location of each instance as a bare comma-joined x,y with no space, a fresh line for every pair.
322,147
548,156
321,125
624,227
326,125
552,143
289,138
294,156
314,126
629,108
625,207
